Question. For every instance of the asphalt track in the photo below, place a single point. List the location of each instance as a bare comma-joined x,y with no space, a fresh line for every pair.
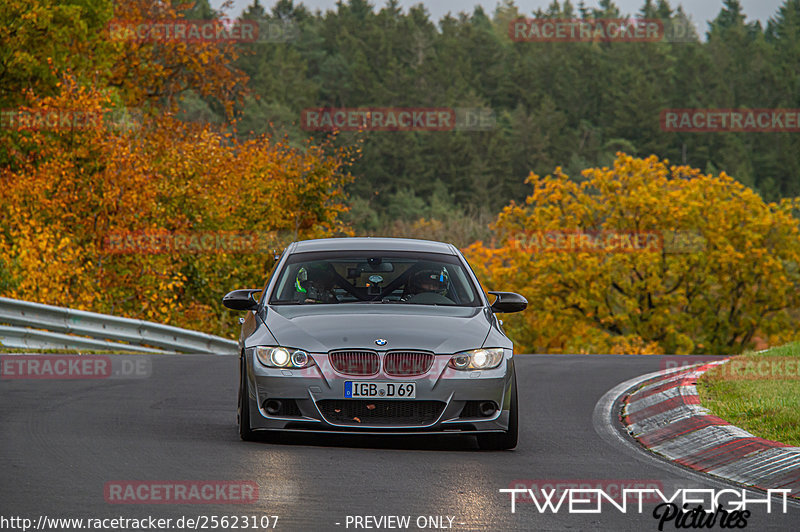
62,441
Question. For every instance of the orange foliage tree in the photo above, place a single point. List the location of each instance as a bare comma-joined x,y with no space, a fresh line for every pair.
79,168
161,70
41,39
71,185
644,257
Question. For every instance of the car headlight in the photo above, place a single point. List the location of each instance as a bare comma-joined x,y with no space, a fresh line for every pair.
477,359
283,357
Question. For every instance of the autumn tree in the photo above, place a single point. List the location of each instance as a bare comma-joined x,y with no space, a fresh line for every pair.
161,71
39,39
724,268
95,41
73,186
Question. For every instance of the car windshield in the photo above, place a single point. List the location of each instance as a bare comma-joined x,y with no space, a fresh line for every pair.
374,277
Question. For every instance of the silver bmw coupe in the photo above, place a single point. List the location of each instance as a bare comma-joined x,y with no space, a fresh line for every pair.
381,336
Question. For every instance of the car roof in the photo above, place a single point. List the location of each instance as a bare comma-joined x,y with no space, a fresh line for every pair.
371,244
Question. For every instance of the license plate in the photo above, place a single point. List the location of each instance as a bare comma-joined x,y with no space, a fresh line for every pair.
379,390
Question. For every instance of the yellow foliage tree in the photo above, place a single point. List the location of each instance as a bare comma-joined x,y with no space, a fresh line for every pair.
69,188
645,257
42,39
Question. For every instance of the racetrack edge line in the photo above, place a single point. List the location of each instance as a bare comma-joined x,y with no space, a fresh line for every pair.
604,420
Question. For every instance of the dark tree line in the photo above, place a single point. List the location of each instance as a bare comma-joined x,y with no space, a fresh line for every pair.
556,104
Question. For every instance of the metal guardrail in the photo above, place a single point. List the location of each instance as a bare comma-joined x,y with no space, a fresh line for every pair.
38,326
23,338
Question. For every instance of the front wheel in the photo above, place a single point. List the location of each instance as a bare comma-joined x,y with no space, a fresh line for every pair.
498,441
245,432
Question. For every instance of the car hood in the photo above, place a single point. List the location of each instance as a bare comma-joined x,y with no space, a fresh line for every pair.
321,328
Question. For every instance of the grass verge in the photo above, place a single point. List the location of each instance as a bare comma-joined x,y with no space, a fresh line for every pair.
759,392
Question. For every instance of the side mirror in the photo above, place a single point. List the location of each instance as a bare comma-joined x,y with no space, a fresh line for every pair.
241,299
508,302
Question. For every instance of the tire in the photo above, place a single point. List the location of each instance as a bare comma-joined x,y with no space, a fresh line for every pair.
243,415
499,441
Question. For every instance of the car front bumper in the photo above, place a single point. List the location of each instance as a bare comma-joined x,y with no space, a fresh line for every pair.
313,400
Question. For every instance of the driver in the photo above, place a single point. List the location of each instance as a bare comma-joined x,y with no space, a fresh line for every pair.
427,281
314,284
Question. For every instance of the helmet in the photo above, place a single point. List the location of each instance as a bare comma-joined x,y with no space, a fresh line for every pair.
429,281
314,275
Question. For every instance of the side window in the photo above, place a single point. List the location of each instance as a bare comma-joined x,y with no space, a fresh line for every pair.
281,290
460,284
